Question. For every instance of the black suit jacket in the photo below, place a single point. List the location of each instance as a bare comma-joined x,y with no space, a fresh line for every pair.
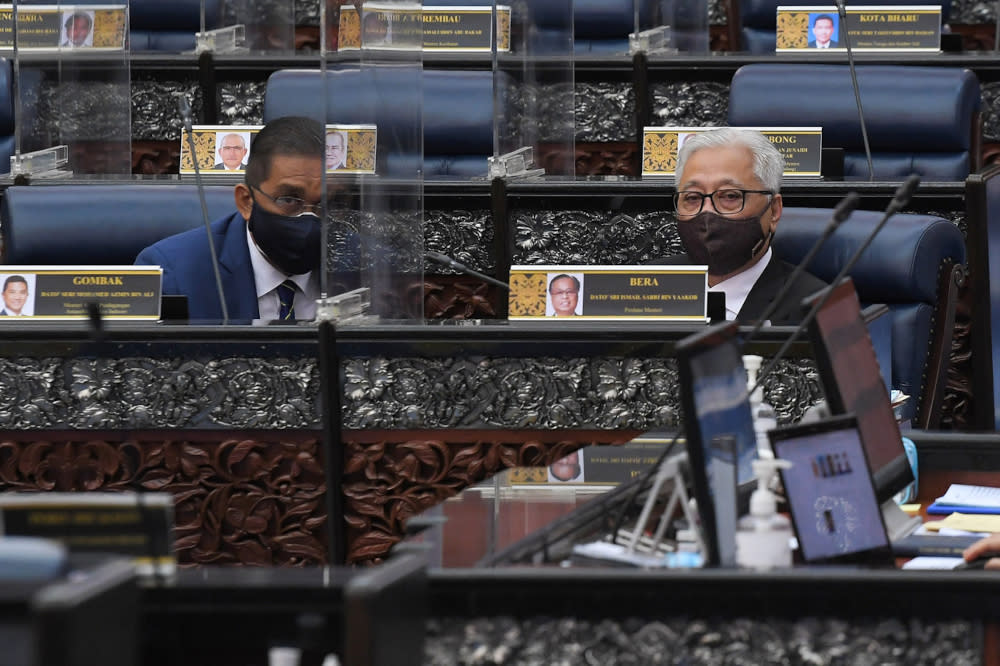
765,290
833,44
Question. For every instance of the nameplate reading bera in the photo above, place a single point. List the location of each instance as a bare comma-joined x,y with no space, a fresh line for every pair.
675,293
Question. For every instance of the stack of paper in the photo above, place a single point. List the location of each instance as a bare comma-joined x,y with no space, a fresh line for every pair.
961,498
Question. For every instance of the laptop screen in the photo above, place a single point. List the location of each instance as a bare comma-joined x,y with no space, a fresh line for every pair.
718,422
829,490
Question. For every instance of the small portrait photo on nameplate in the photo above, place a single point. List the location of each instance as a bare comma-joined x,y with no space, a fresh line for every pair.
460,28
593,466
63,28
869,28
351,148
220,149
33,293
587,293
802,148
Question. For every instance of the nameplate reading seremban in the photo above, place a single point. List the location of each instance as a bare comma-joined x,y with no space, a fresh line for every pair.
802,148
46,292
674,293
897,28
462,29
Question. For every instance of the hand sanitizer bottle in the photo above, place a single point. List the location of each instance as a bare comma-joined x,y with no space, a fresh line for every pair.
764,417
763,538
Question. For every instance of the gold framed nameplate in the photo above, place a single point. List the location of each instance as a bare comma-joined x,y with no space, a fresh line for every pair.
802,148
224,149
64,28
894,28
460,29
581,293
64,292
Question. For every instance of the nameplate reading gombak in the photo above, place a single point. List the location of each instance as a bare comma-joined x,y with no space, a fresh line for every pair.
64,28
459,29
802,148
225,149
46,292
675,293
898,28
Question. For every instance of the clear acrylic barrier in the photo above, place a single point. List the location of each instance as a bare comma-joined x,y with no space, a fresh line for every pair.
269,24
689,20
533,86
374,233
71,84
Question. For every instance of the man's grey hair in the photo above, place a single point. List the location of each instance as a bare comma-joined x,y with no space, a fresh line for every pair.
768,163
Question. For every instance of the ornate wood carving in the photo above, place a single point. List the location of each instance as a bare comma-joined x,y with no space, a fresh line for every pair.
254,499
389,480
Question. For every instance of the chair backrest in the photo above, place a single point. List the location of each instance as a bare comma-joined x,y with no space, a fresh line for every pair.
101,225
155,25
6,115
922,120
910,267
756,21
457,113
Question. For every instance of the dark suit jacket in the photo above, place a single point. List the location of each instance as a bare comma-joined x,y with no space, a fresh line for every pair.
833,44
222,167
187,269
766,289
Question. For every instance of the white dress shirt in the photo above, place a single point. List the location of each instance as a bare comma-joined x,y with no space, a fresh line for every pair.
267,278
738,287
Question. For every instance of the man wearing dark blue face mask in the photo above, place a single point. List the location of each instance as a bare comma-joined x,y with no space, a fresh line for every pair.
269,250
728,206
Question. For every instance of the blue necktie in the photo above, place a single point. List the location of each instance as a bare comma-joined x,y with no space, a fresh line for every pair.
286,300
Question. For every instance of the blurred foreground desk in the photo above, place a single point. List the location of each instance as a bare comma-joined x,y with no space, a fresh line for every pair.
227,419
614,615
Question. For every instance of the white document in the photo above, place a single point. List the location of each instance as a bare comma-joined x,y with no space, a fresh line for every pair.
963,495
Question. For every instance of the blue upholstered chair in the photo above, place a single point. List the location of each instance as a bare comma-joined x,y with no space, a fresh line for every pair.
914,266
753,24
457,113
6,115
68,224
922,120
155,25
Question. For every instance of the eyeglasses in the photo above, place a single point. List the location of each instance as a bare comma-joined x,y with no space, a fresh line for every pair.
292,206
726,201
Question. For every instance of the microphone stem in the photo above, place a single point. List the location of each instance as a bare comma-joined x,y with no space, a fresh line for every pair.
842,10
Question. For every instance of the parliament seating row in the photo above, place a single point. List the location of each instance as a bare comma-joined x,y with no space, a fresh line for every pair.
909,266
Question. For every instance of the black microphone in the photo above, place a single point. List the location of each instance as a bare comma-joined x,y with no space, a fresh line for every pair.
842,10
841,212
902,197
445,260
185,108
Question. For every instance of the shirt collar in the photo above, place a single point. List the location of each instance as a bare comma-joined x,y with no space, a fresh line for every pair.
738,287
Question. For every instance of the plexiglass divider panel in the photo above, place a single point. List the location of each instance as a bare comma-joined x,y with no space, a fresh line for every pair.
269,25
373,91
533,85
71,88
689,19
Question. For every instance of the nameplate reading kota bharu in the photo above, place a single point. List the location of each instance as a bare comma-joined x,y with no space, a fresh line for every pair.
672,293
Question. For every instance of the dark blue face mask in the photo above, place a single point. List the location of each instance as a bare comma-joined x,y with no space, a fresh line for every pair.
291,244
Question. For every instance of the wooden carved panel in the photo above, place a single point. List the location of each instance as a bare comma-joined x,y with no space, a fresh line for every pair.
252,499
387,481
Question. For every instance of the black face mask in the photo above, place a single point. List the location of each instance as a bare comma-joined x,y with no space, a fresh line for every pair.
722,243
290,243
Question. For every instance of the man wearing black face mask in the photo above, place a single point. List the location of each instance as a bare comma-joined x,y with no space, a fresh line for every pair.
269,250
728,207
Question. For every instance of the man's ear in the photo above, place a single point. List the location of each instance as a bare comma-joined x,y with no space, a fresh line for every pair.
244,200
776,210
